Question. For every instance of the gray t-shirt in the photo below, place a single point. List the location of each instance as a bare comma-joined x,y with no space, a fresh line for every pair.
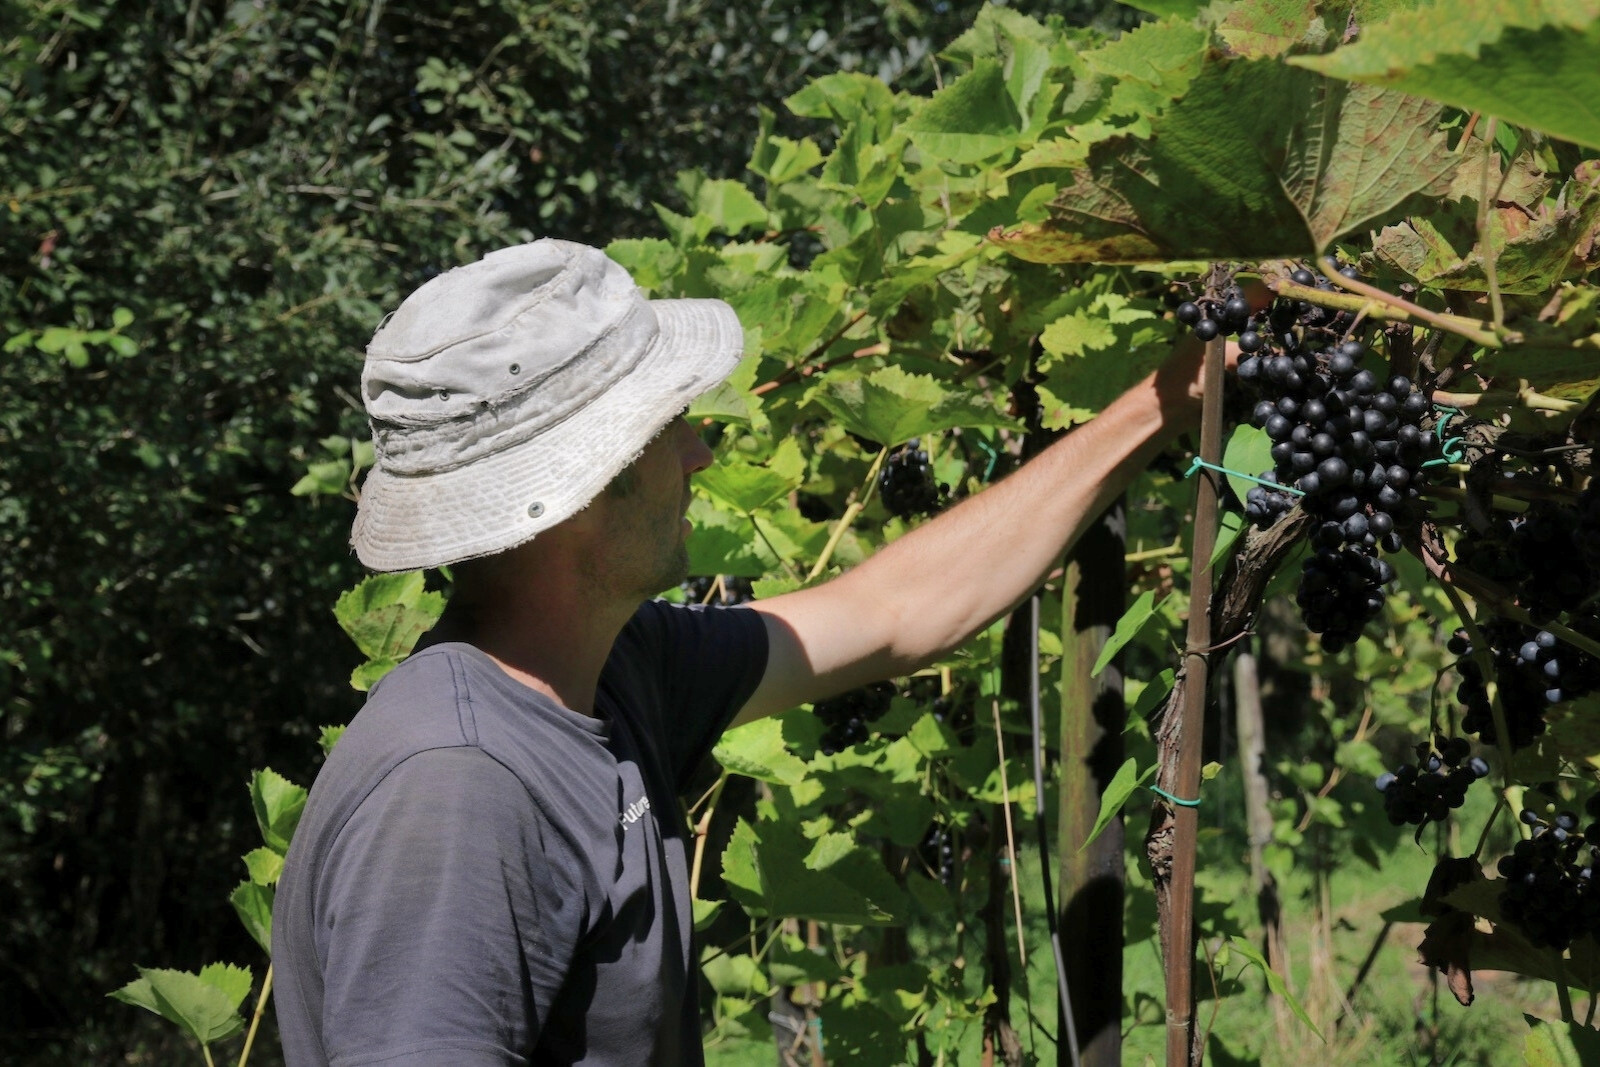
482,876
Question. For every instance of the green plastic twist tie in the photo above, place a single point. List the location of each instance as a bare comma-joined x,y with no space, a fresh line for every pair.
994,458
1450,450
1158,791
1198,463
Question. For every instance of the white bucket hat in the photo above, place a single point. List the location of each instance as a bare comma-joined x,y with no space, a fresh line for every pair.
504,395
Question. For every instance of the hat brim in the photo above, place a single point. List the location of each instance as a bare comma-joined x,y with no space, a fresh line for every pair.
505,499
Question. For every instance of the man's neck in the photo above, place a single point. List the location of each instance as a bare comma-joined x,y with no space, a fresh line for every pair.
544,625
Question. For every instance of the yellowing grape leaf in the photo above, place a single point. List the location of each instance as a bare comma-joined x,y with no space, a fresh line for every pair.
1257,161
1272,27
1535,245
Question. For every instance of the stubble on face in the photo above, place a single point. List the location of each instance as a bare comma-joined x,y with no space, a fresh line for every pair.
643,550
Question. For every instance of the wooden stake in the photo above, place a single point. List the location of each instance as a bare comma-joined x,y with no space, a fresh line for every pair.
1174,827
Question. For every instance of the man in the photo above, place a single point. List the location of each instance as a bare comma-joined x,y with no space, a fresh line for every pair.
492,865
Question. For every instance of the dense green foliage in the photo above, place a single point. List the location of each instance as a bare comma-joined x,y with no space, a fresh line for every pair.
205,210
975,257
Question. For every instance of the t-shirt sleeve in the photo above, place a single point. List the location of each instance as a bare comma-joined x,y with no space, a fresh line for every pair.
711,659
446,923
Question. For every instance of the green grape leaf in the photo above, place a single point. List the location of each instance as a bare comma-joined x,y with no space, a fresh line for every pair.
724,543
846,97
791,966
909,274
1409,912
932,737
994,34
757,750
1564,373
971,120
858,1031
1275,981
1169,8
839,855
730,206
1229,527
277,803
902,816
253,904
745,487
1531,62
1098,348
328,737
1575,730
977,770
1257,161
1153,693
264,865
386,613
898,990
1149,67
769,873
1249,450
1558,353
1122,785
778,159
741,868
370,673
734,974
1139,613
1554,1044
651,261
705,913
891,406
326,478
862,165
204,1005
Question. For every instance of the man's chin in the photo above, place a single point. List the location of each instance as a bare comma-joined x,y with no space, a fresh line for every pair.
673,576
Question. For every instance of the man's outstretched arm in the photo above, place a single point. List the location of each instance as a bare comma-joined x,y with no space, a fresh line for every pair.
928,592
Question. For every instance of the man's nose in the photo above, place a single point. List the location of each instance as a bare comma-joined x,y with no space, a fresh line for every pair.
693,453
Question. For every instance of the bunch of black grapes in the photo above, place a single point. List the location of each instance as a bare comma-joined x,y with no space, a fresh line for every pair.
938,853
906,484
1549,892
1541,555
1426,791
1209,318
1532,671
734,590
1348,443
845,716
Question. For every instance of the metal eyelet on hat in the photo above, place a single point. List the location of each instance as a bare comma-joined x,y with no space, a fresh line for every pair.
444,394
516,368
535,509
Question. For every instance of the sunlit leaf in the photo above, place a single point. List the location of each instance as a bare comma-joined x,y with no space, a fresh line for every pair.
891,406
1256,161
205,1005
1122,785
757,750
1530,62
278,804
